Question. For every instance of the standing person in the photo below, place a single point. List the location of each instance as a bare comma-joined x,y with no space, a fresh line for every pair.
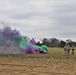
73,49
68,48
65,49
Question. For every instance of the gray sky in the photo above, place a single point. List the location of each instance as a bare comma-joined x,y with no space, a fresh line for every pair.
40,18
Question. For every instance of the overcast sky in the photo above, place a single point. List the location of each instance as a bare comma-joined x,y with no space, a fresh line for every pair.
40,18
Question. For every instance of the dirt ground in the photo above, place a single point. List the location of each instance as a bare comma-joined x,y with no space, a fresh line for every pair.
40,64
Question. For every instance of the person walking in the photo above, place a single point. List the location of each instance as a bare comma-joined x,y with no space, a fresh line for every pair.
68,48
65,49
73,48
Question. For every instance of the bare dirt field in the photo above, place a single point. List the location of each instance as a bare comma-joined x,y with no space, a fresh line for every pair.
53,63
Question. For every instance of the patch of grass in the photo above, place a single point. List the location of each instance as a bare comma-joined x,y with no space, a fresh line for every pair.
53,63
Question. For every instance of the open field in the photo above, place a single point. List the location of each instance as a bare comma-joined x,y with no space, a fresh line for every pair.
53,63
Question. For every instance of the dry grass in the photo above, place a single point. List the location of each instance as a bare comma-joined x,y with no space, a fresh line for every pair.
53,63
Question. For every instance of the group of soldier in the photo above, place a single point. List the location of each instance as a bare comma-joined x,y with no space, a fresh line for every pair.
67,49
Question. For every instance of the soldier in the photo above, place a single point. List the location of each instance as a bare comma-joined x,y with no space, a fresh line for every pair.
65,49
68,48
73,49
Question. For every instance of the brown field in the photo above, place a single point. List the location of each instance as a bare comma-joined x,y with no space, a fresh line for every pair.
53,63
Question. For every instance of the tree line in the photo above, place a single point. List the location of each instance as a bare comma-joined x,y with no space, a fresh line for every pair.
54,42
